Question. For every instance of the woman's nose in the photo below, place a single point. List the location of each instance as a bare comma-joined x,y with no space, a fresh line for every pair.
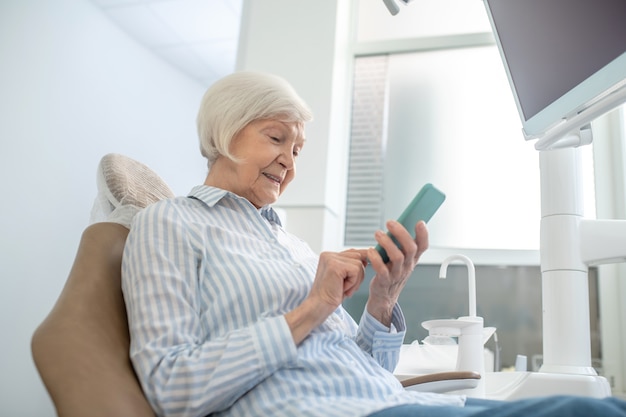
287,159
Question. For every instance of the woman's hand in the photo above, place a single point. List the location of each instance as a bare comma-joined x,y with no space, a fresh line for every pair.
391,277
338,276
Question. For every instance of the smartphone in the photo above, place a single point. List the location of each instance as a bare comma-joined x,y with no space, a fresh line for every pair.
422,207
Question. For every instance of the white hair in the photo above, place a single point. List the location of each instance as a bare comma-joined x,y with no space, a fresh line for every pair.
234,101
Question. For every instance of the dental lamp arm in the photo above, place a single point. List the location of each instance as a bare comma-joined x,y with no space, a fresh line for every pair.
393,7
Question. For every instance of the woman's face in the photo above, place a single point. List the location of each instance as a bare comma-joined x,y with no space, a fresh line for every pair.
266,152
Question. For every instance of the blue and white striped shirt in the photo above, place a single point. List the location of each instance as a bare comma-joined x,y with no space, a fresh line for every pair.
207,280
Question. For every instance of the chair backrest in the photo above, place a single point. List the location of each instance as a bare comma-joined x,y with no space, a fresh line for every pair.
81,348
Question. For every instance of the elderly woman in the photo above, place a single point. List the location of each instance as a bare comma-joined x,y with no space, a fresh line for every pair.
229,314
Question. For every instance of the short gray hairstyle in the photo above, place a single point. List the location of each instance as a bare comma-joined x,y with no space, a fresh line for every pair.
234,101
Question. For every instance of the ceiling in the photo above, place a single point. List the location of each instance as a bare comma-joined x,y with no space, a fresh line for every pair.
197,36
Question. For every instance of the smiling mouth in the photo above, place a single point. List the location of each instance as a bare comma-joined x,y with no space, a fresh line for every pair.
273,178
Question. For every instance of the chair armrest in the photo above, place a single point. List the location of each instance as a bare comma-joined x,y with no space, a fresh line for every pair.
441,382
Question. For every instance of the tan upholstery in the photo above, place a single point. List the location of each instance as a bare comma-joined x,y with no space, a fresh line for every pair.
81,348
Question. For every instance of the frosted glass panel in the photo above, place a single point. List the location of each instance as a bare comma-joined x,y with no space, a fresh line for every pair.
453,122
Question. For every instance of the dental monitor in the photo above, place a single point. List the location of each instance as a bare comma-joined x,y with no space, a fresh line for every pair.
565,61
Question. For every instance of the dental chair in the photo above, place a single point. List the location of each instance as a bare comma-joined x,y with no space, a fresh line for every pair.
81,349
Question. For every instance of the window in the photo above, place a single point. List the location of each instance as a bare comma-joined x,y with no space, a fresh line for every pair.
446,117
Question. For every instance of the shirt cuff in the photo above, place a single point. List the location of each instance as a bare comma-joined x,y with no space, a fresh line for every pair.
380,341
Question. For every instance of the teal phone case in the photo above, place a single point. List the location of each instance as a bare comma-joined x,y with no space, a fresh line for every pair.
422,207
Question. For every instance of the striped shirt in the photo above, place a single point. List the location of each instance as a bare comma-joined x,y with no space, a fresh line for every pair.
207,280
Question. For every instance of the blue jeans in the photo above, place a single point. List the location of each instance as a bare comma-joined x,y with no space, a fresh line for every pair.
554,406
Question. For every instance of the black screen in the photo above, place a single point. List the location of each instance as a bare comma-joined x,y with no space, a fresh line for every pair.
551,46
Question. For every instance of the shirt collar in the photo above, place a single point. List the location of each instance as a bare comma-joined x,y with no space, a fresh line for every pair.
213,195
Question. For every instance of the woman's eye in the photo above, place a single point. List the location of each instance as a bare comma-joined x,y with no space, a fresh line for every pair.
275,139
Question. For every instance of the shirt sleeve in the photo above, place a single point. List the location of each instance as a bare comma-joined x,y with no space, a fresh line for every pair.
183,370
382,342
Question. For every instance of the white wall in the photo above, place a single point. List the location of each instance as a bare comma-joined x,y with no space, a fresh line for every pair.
72,87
